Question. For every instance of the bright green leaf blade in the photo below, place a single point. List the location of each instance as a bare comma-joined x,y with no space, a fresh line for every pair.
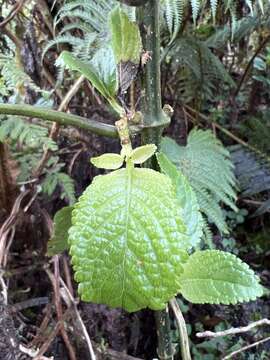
62,222
101,78
108,161
126,38
142,153
217,277
128,240
72,63
191,212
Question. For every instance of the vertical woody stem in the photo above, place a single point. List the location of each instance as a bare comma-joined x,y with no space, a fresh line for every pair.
157,119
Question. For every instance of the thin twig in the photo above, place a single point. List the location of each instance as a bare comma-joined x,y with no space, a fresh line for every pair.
7,226
43,326
52,335
4,289
181,324
245,348
233,331
67,274
17,8
259,49
56,126
58,306
221,128
84,330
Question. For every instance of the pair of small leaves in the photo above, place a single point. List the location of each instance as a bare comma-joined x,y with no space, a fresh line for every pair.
112,161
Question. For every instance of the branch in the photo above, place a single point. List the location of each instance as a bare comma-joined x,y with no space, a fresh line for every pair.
259,49
245,348
222,129
181,324
83,327
13,13
59,117
56,127
233,331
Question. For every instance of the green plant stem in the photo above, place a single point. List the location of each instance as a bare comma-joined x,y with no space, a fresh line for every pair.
182,328
60,118
165,351
155,120
153,114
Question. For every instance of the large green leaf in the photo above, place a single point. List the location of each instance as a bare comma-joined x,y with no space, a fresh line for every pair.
126,38
128,240
217,277
59,240
187,198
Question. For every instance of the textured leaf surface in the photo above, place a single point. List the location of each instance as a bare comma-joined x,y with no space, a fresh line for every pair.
217,277
128,240
108,161
207,166
126,38
62,222
142,153
187,198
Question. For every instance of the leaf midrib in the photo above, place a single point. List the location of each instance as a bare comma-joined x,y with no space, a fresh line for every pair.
127,210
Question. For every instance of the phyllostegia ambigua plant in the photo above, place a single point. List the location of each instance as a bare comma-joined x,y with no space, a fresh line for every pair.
133,233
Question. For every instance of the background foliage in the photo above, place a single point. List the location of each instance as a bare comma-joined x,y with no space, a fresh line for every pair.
216,75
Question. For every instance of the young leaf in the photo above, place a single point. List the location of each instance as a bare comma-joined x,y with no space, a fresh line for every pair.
101,78
62,222
217,277
127,48
108,161
142,153
128,240
126,38
73,63
187,198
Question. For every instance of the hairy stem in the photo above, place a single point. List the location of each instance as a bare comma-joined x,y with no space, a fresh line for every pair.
60,118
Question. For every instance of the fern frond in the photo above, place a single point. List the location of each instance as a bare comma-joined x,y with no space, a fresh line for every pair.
195,5
243,27
207,234
214,8
252,170
14,75
33,136
202,73
173,10
91,18
207,165
63,39
64,181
